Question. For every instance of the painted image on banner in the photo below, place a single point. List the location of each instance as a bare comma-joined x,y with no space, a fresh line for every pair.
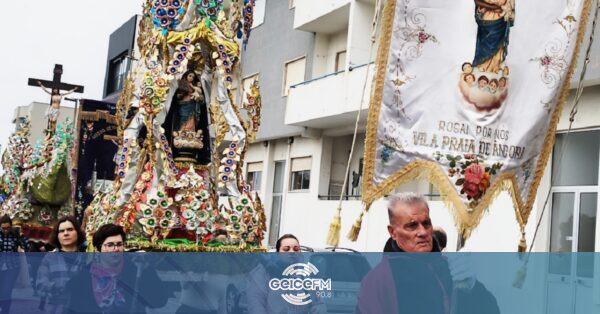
484,82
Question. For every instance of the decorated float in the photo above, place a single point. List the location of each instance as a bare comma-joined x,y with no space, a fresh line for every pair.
36,188
178,188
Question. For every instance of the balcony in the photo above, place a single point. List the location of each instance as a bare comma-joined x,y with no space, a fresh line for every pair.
322,16
331,101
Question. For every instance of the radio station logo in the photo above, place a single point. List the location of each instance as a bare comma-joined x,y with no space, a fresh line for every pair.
298,283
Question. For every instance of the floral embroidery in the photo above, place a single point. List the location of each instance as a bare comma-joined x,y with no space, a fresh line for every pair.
472,173
413,33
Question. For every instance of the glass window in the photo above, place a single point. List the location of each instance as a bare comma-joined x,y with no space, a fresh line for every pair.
300,180
588,207
117,73
340,61
293,74
579,162
561,233
277,202
259,13
254,175
301,173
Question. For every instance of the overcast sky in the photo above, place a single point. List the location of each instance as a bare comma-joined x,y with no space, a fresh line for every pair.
39,33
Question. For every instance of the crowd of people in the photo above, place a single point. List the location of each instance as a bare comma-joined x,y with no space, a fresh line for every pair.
73,283
106,283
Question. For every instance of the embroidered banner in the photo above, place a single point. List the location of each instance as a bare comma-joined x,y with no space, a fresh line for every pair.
96,148
467,95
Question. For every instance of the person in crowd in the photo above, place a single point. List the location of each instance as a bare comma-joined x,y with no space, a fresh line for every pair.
420,283
112,283
11,240
34,262
56,270
439,234
261,299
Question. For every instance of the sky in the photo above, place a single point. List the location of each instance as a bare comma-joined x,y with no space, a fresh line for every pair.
40,33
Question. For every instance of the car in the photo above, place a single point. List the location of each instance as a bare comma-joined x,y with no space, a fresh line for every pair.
346,268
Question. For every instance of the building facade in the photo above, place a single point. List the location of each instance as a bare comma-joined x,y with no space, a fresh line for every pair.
36,112
299,160
122,48
313,60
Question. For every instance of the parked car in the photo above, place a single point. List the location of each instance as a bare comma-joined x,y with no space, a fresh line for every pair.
347,268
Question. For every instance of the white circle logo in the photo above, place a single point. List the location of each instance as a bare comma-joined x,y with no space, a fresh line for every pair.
297,283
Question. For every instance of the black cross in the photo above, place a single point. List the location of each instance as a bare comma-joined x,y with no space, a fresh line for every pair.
56,83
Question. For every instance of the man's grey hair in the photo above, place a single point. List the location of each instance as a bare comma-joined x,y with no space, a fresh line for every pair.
404,198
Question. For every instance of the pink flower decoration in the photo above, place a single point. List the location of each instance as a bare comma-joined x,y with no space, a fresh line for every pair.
473,175
423,37
545,60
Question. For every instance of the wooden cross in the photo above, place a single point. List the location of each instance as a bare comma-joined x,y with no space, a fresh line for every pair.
56,83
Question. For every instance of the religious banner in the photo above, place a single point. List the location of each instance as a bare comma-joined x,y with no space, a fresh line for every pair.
467,95
96,148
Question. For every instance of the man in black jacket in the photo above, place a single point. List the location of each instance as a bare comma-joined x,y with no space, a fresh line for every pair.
422,281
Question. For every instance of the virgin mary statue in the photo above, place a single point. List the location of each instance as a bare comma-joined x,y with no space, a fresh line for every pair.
186,124
494,19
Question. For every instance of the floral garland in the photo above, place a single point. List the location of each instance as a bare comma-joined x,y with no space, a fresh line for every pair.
229,164
209,9
196,205
155,88
472,173
155,212
187,246
167,13
225,64
182,54
253,106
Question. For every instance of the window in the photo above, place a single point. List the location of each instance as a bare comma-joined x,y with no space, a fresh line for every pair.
293,74
117,72
259,13
575,162
356,179
340,61
277,202
300,173
247,81
254,175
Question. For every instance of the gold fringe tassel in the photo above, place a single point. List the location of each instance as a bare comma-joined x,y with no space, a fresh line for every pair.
333,236
355,230
522,243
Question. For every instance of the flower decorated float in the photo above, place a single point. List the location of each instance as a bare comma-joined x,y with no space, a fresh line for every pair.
35,190
178,188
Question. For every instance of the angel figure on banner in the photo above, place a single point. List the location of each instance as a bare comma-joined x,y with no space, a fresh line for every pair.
484,81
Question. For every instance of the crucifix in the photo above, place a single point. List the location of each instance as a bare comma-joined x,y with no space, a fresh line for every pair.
54,88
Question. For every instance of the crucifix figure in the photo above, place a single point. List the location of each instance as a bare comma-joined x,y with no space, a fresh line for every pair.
53,88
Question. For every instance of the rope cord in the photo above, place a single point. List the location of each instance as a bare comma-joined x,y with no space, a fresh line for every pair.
356,124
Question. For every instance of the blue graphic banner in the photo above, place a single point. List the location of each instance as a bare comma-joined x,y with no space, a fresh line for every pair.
320,282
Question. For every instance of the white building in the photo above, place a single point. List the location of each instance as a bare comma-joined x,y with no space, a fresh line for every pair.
36,112
298,166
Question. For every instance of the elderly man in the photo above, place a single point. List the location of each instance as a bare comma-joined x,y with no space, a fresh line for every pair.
421,282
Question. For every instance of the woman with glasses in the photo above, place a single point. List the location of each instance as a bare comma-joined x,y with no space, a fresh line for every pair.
113,282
